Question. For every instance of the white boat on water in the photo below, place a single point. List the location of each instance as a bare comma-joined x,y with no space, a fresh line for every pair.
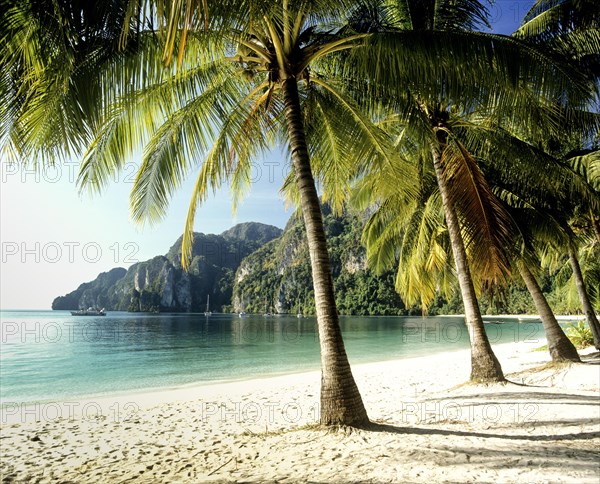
208,312
89,312
299,313
242,313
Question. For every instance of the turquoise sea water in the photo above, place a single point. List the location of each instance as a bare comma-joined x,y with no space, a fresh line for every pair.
51,355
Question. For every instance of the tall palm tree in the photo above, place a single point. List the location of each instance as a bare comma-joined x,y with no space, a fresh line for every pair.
588,165
247,76
534,226
542,209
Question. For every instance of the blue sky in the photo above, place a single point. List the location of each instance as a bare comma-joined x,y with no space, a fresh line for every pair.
53,239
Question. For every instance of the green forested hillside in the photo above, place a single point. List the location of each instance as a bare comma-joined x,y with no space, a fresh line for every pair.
276,278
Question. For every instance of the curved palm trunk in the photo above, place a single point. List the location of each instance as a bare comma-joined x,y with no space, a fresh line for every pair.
559,346
588,310
341,403
595,225
485,367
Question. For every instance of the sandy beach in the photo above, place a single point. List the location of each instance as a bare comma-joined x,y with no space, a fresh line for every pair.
428,427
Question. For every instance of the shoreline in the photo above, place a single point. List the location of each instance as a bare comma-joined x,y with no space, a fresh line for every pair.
172,393
428,426
293,315
174,386
145,397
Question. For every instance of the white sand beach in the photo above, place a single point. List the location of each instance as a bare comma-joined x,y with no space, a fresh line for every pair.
544,427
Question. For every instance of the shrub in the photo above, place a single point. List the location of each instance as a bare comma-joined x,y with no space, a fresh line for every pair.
580,334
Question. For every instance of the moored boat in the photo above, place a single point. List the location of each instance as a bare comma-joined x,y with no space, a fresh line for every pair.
89,312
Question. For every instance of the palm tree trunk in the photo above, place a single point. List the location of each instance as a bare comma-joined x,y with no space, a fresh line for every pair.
588,310
595,225
341,403
559,346
485,367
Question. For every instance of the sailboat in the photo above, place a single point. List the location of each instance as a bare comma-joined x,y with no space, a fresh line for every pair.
208,312
242,313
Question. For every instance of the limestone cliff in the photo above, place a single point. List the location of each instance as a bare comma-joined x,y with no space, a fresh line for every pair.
277,277
161,284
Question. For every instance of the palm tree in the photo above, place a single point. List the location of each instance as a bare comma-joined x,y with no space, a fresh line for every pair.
412,235
576,225
541,210
247,76
587,165
428,112
570,29
588,309
433,116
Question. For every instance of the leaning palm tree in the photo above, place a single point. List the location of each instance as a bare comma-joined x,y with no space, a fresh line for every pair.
584,296
542,209
536,227
578,241
589,167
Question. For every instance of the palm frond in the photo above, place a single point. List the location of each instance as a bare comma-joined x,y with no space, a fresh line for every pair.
430,64
513,163
487,228
551,17
588,166
137,115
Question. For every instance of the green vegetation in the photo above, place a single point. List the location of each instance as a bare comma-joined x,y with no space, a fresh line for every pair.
580,334
278,277
390,94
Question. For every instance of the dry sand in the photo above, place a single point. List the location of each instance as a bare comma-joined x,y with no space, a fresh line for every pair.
545,427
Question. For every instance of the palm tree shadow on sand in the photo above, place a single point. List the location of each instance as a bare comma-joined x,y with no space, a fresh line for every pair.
536,397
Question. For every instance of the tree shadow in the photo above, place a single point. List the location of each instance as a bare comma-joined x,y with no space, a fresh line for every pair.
591,358
395,429
510,397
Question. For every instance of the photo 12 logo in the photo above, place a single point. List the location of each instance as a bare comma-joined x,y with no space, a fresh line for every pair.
457,331
68,171
268,412
22,412
68,251
56,172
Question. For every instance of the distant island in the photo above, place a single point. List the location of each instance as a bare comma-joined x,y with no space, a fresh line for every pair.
161,284
260,268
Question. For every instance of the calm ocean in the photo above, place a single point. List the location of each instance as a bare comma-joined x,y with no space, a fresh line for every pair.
51,355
